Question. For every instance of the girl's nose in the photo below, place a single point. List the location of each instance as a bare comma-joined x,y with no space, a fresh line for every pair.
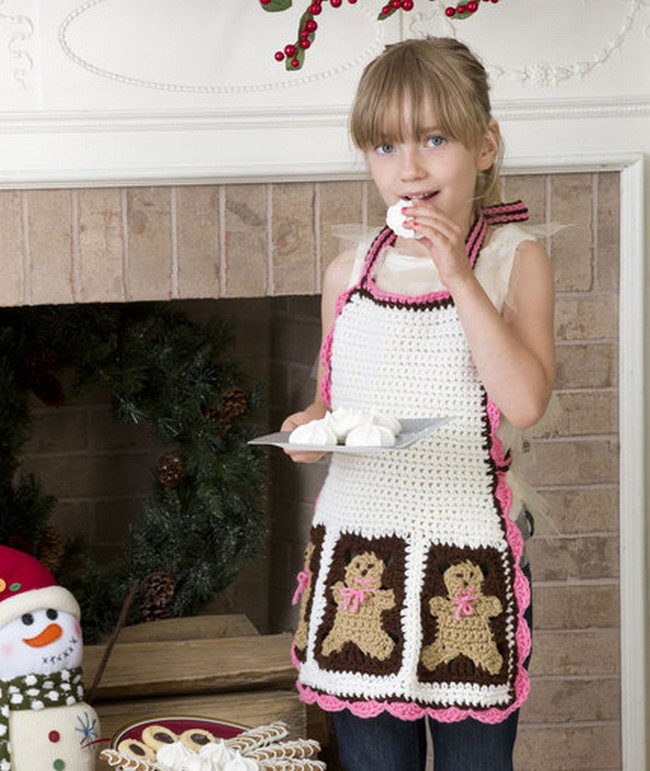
412,167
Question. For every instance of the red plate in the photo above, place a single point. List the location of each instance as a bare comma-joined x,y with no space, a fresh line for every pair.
220,728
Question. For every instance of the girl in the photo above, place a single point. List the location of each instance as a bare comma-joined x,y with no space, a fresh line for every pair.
414,601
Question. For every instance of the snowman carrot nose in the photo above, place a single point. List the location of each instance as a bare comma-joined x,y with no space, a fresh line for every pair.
51,633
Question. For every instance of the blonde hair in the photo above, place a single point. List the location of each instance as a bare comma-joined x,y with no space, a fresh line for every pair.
432,73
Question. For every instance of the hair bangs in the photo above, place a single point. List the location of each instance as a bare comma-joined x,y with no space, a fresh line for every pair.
396,104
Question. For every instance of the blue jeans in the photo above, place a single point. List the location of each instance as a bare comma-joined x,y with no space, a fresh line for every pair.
386,743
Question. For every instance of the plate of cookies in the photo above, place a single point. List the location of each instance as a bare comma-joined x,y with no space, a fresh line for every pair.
354,431
185,743
145,738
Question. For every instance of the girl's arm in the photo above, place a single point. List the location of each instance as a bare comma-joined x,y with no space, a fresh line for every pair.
336,281
514,353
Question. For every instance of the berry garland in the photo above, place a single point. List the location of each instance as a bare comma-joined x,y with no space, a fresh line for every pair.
293,54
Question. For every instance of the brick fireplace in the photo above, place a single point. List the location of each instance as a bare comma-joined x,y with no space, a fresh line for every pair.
255,253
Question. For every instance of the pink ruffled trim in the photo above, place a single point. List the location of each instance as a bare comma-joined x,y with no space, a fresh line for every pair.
515,540
407,710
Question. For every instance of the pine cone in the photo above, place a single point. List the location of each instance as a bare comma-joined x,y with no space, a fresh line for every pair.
50,549
158,591
171,469
235,403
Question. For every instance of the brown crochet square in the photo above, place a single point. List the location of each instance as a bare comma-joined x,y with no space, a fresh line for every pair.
361,630
497,593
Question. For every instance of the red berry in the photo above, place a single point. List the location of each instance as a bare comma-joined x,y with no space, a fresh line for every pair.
461,9
336,3
352,2
279,56
396,4
311,25
265,2
407,5
290,50
315,9
304,44
472,6
385,10
449,11
295,64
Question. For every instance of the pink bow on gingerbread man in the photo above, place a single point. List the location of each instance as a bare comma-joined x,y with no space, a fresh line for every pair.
353,598
464,602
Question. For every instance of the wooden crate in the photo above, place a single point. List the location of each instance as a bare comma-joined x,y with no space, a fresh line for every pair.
209,666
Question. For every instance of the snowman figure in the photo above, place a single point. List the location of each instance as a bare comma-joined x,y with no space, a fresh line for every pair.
44,723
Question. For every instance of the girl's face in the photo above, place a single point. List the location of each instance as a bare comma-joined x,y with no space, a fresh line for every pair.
432,167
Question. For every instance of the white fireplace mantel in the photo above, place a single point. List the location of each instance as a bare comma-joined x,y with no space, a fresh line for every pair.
101,92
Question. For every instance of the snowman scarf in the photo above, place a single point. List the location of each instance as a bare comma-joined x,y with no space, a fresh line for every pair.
57,689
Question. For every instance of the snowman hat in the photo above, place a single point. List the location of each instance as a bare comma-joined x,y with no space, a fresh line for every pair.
27,585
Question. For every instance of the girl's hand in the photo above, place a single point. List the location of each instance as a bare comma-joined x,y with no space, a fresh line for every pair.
299,419
444,239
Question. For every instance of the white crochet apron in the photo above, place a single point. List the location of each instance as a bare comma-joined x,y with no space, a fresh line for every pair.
412,596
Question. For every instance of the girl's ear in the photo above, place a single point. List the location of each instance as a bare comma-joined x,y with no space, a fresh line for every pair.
489,149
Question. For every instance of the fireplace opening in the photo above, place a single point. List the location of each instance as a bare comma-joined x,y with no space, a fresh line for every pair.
100,470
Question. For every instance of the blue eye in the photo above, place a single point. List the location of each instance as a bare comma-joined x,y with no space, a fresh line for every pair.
435,141
384,149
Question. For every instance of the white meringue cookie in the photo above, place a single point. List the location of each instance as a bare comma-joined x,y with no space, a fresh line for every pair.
370,435
216,753
171,757
315,432
240,763
395,220
381,419
213,757
344,419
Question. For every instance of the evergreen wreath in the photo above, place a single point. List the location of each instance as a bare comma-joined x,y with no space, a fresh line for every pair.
204,518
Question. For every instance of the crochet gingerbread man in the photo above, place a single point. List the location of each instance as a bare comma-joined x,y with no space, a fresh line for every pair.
302,595
463,621
360,602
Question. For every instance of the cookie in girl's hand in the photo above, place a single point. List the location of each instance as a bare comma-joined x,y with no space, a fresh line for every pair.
395,220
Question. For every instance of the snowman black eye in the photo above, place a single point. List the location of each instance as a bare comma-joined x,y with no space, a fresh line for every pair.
52,614
28,619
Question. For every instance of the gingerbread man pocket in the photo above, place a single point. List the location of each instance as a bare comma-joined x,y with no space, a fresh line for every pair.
360,602
463,621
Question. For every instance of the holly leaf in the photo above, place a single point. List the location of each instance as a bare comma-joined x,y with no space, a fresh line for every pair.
460,16
277,5
382,16
300,57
